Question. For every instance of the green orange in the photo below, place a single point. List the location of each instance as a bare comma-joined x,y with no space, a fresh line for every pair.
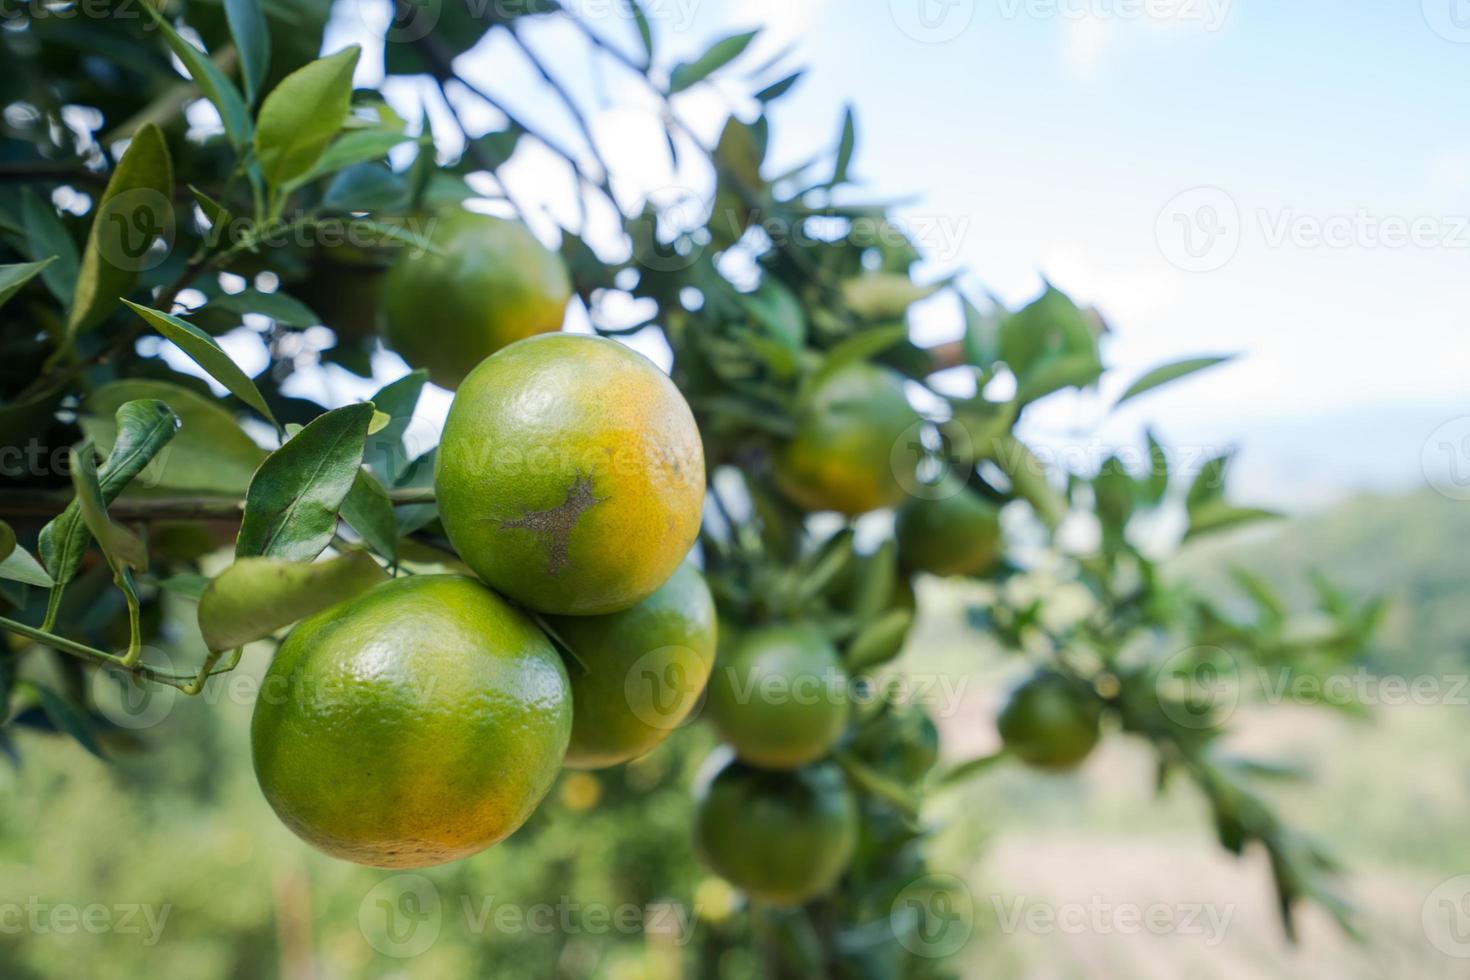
1050,721
955,533
415,724
570,475
638,674
782,837
490,284
780,699
841,456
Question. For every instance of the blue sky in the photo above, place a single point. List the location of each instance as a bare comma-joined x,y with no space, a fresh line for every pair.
1316,155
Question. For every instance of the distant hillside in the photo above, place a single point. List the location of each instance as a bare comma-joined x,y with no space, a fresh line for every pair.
1415,549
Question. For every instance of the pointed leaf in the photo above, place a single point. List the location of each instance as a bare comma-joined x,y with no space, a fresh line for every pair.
369,511
143,428
284,309
137,200
292,504
302,114
775,90
254,597
46,235
645,30
122,548
252,41
217,214
212,82
68,718
19,566
353,147
211,453
720,54
202,349
12,277
1166,373
846,145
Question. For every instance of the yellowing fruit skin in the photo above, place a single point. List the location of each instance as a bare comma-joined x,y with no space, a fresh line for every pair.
841,456
956,534
493,284
415,724
780,698
782,837
570,475
638,673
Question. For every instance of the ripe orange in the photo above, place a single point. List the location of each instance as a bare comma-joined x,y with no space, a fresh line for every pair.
570,475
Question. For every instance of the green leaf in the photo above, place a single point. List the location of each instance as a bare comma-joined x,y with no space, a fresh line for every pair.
141,429
202,349
1058,371
19,566
982,337
879,641
1217,515
254,597
302,114
496,148
1156,484
134,209
862,346
369,511
292,505
385,454
356,146
12,277
775,90
46,235
7,540
645,30
720,54
845,147
212,82
1209,482
69,719
211,453
122,548
1051,326
1166,373
252,41
283,309
217,214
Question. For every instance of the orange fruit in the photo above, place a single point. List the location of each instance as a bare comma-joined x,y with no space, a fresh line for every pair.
415,724
780,699
638,674
1050,722
957,533
840,457
570,475
491,284
782,837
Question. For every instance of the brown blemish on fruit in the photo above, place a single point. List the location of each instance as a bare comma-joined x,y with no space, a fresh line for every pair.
555,525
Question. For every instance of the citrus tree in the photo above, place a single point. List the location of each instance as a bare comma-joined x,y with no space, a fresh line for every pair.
594,552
